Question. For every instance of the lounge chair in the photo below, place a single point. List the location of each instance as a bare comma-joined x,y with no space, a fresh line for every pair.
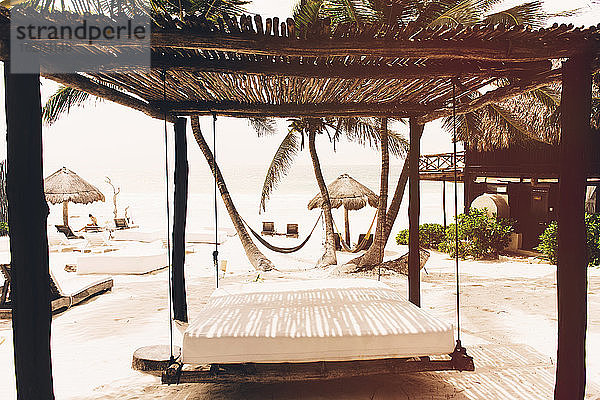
121,223
369,240
268,228
67,231
96,242
60,300
58,242
292,230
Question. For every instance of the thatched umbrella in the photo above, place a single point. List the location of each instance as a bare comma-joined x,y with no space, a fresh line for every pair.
346,191
66,186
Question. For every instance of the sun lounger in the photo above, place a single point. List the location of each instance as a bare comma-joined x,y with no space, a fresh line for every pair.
121,223
138,235
268,228
60,300
130,261
96,242
67,231
59,242
292,230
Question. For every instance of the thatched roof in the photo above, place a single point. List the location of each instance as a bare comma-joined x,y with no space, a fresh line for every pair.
248,66
348,192
66,185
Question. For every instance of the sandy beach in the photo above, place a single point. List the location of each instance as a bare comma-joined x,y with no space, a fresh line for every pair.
508,311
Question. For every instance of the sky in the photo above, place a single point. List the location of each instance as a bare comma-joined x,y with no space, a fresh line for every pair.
108,134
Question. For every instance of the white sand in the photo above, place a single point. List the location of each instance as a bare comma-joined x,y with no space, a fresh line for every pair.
508,324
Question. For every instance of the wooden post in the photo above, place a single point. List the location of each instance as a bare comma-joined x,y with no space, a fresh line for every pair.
65,213
347,226
179,220
571,274
28,212
414,267
444,201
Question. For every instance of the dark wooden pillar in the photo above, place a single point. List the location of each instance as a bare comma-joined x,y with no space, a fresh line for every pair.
572,253
444,202
27,215
414,270
179,220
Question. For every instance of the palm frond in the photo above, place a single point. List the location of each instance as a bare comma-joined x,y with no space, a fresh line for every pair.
531,14
62,100
263,126
468,128
280,165
452,12
306,16
360,12
366,132
502,127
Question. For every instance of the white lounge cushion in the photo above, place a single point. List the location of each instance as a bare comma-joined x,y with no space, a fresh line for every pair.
305,321
125,261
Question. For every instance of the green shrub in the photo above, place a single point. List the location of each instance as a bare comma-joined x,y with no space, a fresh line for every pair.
479,236
430,236
549,240
3,228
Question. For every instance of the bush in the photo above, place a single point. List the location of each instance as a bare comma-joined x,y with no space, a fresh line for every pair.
549,240
430,236
479,236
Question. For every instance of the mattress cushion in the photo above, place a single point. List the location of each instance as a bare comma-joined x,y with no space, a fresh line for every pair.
312,320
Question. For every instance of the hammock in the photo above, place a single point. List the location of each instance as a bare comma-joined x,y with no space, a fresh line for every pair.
284,250
363,243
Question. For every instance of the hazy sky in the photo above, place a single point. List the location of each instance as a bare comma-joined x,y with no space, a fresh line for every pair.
112,135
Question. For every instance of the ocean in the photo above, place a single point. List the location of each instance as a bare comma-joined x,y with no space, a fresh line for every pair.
143,192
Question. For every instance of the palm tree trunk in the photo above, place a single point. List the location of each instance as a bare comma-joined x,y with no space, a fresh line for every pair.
391,214
255,256
374,255
329,256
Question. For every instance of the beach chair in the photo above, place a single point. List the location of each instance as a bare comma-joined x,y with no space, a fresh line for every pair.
122,223
5,270
369,240
59,242
60,300
96,242
292,230
268,229
67,231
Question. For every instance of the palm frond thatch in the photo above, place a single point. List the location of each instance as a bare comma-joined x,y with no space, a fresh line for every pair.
61,102
66,185
280,165
348,192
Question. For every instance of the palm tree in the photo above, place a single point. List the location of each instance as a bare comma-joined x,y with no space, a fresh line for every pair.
361,130
424,14
65,98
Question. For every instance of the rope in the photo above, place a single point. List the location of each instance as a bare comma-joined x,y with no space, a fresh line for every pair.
360,246
168,220
216,252
456,212
285,250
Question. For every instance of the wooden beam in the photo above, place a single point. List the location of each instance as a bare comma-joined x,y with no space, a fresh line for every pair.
414,259
28,212
85,84
290,110
490,50
571,275
179,220
446,69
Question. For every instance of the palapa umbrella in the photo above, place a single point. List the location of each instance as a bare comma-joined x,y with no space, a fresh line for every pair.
66,186
348,192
